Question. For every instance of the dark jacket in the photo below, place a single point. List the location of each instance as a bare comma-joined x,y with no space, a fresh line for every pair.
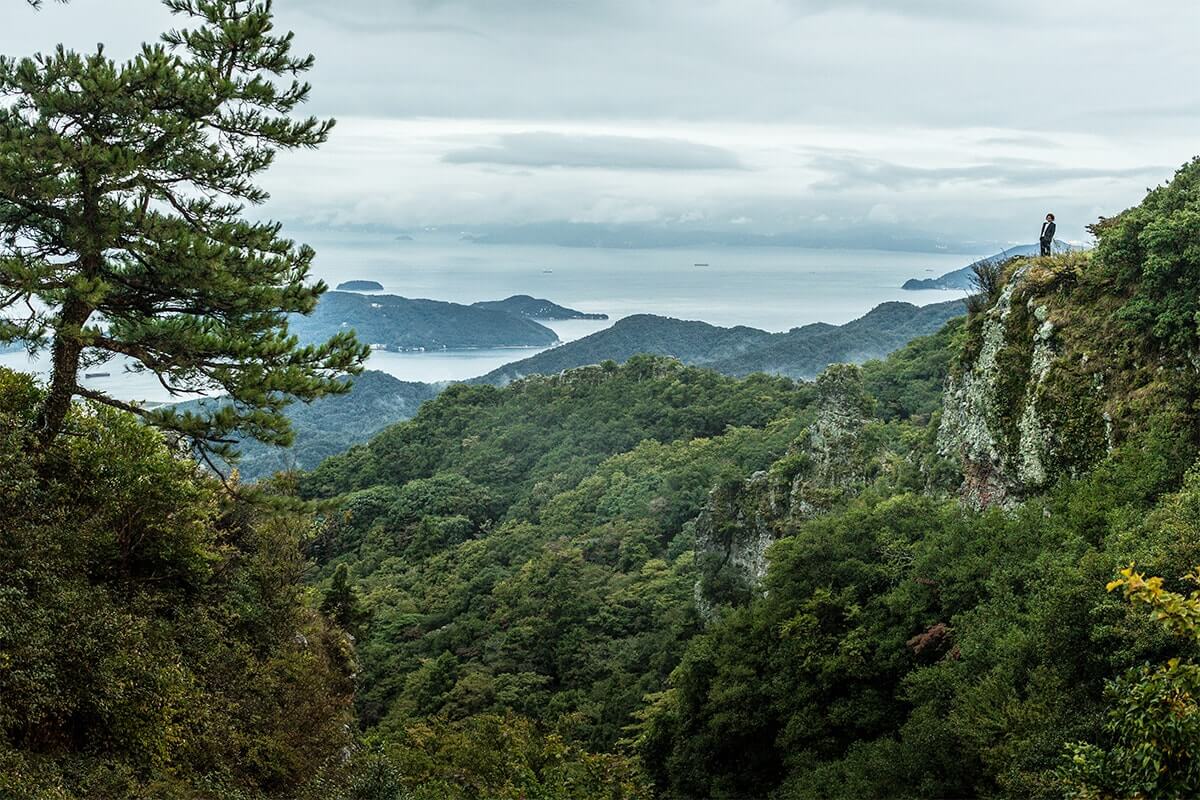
1047,232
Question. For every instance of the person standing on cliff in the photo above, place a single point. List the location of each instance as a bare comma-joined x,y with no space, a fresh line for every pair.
1047,237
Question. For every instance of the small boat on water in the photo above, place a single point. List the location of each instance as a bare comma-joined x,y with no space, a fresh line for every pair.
698,264
97,375
547,271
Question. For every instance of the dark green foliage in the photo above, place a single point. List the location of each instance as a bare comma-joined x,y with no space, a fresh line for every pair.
906,648
486,756
1153,722
341,603
1154,248
909,383
528,550
399,323
153,641
122,191
330,425
554,430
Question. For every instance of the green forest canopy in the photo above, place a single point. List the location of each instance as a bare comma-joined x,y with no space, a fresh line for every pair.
537,591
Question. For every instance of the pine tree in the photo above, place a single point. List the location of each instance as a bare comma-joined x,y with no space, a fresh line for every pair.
123,192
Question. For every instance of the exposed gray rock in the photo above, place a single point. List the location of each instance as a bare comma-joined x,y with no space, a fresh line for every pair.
741,520
1031,464
1011,428
970,401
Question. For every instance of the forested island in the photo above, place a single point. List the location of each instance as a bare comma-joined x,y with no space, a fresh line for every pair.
400,323
965,568
535,308
360,286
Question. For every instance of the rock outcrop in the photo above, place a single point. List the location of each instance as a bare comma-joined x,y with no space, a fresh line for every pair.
1027,405
743,517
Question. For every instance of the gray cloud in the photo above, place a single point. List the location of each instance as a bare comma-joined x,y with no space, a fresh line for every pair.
546,149
864,63
856,171
921,105
1018,140
939,9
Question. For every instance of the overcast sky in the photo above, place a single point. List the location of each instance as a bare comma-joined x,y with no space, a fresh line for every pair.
963,119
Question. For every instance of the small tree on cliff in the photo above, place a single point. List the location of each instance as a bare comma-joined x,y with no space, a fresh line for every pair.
122,232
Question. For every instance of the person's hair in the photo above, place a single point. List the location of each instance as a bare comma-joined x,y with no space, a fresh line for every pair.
1051,216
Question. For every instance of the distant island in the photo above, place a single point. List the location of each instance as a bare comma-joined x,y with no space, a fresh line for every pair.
389,322
522,305
962,278
360,286
799,353
336,423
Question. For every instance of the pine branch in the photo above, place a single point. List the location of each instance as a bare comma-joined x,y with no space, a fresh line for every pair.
127,200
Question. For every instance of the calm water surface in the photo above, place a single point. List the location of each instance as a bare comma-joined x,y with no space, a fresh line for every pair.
774,288
764,287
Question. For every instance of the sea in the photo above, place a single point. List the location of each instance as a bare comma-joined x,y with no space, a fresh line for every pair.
771,288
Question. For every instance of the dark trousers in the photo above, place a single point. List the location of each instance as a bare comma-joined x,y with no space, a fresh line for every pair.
1045,247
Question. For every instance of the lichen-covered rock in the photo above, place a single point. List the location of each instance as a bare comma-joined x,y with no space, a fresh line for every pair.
743,517
1026,407
733,533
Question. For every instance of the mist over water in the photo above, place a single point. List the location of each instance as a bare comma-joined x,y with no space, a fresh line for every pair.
772,288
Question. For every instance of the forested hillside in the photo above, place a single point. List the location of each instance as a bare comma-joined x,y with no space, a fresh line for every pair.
968,569
865,588
650,579
799,353
154,637
333,425
913,644
330,425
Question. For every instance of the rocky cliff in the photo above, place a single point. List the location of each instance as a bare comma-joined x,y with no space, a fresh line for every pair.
1047,385
830,461
1047,380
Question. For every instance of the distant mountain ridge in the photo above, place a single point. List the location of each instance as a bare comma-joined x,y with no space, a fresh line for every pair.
800,353
962,278
336,423
332,424
523,305
400,323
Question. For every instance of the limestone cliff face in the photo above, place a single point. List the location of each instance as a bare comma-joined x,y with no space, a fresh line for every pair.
1028,404
744,517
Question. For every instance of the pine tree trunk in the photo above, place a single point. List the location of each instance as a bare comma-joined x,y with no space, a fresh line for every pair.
68,333
68,344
